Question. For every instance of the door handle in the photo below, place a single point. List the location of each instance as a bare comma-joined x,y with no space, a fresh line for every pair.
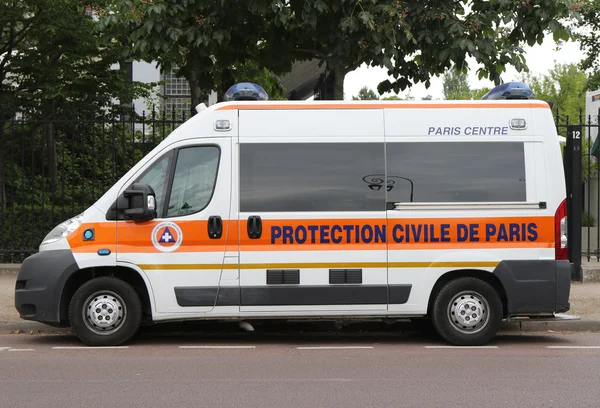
215,227
254,227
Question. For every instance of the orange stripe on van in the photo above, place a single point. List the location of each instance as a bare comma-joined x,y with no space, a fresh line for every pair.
309,106
105,237
329,234
137,237
398,234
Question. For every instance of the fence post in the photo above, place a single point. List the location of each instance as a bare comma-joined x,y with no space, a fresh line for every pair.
574,200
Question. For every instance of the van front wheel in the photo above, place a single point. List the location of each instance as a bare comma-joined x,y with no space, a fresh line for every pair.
467,312
105,311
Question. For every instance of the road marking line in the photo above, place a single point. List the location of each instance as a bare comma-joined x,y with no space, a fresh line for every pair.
217,347
334,347
573,347
12,349
461,347
4,348
89,348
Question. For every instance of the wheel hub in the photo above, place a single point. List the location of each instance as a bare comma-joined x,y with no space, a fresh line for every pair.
104,312
468,312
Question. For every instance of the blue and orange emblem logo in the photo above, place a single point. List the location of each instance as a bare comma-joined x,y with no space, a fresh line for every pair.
167,236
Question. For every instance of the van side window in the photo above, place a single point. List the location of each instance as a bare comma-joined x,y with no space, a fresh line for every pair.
280,177
443,172
194,180
156,177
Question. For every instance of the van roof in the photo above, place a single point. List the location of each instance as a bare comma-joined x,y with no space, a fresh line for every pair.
461,104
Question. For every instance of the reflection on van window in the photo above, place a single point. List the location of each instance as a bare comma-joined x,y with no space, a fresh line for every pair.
443,172
194,180
156,177
311,177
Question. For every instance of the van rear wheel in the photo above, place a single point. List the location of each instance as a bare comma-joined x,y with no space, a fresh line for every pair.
105,311
467,312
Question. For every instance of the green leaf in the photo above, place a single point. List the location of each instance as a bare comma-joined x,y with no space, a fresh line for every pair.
387,62
321,6
219,36
470,46
366,18
348,24
444,54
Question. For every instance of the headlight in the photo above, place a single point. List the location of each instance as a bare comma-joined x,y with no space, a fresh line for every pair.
63,230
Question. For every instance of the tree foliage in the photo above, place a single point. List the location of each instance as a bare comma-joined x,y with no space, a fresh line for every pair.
250,71
415,40
207,42
55,62
456,86
366,94
588,35
564,85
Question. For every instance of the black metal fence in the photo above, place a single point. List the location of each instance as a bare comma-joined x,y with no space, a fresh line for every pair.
51,171
587,173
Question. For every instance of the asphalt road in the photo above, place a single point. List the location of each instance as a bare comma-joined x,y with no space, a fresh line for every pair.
293,370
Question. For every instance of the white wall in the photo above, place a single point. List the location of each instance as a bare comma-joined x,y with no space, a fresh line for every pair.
592,105
145,72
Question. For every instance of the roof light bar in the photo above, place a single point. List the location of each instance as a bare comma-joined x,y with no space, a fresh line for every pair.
510,90
245,91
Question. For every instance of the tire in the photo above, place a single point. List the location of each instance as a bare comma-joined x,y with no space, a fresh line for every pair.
105,311
480,303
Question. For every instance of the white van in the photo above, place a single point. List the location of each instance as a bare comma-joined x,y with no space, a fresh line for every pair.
448,210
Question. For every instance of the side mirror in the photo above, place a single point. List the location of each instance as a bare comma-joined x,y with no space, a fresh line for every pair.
142,203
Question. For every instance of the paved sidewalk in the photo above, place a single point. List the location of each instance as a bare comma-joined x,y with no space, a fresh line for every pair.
585,302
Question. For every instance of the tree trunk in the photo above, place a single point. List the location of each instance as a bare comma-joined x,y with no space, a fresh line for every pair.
339,74
51,154
195,91
220,93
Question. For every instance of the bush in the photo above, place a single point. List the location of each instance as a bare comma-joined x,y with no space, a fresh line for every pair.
23,228
588,220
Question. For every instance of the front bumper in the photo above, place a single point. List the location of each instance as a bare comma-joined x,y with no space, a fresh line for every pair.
40,283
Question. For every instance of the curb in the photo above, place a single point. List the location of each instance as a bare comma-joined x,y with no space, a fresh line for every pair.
21,327
590,274
584,325
9,269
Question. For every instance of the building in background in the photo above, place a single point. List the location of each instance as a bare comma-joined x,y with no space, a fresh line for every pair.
305,80
592,113
173,93
591,183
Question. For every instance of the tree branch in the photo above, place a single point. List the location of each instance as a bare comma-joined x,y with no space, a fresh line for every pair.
56,56
313,52
15,39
